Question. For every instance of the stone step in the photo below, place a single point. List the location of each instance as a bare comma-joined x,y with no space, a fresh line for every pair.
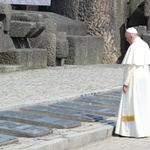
49,122
61,113
85,108
95,101
7,139
11,68
22,130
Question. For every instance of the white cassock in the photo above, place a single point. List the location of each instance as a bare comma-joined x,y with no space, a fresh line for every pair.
134,112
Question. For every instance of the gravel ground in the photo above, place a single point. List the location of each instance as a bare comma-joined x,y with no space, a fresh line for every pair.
56,83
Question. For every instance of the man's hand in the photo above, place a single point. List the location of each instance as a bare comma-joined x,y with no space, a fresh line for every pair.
125,87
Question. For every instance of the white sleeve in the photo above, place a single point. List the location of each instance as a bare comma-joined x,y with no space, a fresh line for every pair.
128,74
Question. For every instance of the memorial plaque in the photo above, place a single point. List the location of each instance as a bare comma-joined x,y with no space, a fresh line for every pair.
94,101
108,96
7,139
86,108
38,120
62,113
20,129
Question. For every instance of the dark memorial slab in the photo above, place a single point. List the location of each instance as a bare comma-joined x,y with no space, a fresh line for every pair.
7,139
62,113
38,120
109,95
95,101
20,129
86,108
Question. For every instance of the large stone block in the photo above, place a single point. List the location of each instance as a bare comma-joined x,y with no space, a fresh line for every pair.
65,24
61,48
32,58
85,50
5,15
47,41
25,29
26,16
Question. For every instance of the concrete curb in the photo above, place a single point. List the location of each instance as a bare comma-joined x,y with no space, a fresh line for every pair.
71,141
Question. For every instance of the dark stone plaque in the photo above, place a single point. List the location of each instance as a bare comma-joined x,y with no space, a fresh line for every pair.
85,108
20,129
95,101
62,113
38,120
109,95
7,139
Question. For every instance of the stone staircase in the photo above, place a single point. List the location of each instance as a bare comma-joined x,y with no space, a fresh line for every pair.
40,120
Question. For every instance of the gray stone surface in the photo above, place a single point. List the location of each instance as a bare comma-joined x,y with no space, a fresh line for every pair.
31,58
11,68
102,18
94,101
65,24
85,50
86,108
5,13
38,120
20,129
62,113
146,38
47,40
25,29
62,48
7,139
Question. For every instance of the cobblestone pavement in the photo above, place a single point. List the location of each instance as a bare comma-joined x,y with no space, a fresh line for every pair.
50,84
119,143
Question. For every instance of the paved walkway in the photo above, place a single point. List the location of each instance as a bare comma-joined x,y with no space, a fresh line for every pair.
119,143
57,84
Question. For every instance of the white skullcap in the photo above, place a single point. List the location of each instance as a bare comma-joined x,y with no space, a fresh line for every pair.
132,30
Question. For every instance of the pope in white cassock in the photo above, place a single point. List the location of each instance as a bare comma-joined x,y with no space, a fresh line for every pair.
134,111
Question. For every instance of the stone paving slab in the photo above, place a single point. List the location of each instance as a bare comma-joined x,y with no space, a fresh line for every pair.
95,101
61,113
7,139
38,120
20,129
86,108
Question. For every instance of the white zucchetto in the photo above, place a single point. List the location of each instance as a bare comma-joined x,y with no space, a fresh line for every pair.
132,30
